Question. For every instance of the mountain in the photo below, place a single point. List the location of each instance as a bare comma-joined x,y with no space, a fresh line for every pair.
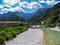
54,18
50,16
22,15
10,16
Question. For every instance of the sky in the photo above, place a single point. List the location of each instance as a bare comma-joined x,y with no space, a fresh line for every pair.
26,6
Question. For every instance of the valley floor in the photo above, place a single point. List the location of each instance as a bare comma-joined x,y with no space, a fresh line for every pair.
30,37
37,36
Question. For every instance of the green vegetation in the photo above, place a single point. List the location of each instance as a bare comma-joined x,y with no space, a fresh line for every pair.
53,20
50,17
8,33
51,37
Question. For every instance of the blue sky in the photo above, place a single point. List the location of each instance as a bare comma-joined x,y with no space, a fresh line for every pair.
27,6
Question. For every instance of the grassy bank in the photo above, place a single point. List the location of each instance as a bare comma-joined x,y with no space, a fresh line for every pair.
51,37
8,33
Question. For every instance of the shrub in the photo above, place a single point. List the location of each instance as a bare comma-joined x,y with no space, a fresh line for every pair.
2,39
16,30
10,32
8,36
2,33
58,24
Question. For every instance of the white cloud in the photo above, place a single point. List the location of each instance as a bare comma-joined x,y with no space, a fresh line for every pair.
10,2
7,6
16,9
56,2
35,5
24,4
5,10
31,5
52,2
41,1
1,6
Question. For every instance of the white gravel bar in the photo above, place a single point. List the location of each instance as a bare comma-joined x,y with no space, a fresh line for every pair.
30,37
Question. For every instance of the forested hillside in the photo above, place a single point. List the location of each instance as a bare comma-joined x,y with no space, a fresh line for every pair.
49,17
54,16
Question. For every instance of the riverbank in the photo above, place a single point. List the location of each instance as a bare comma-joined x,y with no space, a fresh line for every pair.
51,37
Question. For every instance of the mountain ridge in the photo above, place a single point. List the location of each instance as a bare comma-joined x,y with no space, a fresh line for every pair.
53,14
22,15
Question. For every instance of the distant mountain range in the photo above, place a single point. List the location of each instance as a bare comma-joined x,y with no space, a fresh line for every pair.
22,15
40,15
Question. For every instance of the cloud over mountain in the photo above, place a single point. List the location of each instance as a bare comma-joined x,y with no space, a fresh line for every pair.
52,2
1,6
17,5
10,2
30,5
